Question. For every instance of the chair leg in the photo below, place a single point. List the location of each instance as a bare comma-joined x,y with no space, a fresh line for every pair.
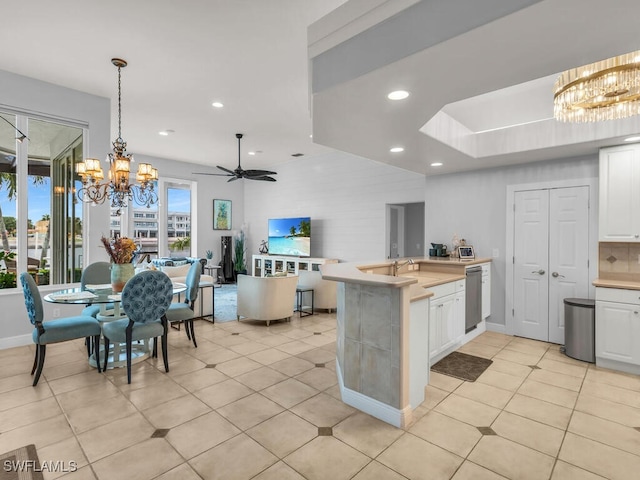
129,347
87,342
165,355
42,349
96,351
35,360
186,329
193,332
106,353
154,353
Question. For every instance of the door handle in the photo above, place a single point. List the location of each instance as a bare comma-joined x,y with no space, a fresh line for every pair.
556,275
539,272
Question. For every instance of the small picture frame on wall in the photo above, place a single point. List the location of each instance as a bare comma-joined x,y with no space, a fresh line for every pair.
222,214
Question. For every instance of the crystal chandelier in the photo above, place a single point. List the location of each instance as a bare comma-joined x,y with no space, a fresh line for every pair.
605,90
117,189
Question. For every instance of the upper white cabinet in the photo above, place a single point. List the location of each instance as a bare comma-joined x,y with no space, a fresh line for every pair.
620,194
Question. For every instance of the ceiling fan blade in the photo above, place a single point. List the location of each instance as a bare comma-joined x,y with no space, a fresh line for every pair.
231,172
233,179
258,173
214,174
264,177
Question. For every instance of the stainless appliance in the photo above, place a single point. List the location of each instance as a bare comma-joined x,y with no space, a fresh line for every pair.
473,298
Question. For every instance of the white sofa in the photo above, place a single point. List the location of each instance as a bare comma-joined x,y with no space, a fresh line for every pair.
266,298
325,292
179,274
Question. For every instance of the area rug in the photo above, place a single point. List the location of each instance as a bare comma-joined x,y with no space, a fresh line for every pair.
462,366
226,302
21,464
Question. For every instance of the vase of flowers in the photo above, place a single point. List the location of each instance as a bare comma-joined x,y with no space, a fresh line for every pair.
121,251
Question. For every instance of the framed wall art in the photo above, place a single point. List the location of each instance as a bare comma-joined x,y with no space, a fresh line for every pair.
222,214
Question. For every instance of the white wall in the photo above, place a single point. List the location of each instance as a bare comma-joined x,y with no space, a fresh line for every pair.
208,189
473,205
344,195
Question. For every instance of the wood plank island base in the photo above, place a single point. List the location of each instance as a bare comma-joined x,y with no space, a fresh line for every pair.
386,325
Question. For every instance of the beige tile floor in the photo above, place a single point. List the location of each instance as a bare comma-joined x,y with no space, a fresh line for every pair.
263,402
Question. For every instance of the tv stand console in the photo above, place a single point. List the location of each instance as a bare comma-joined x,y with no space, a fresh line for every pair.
263,265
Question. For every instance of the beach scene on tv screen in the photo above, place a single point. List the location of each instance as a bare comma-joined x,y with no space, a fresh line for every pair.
290,236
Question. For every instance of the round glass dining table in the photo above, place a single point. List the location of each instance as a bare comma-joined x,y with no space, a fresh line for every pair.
110,310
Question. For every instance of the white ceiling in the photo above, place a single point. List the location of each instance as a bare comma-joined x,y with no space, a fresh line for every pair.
249,54
252,56
479,99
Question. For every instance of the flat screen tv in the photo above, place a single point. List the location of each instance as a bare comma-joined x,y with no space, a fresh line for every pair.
290,236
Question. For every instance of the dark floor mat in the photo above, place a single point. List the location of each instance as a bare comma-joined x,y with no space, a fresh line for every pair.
462,366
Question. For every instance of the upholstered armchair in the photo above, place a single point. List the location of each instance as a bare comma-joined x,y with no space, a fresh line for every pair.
325,292
54,331
266,299
184,311
145,300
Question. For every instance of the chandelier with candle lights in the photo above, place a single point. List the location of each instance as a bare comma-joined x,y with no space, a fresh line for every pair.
118,189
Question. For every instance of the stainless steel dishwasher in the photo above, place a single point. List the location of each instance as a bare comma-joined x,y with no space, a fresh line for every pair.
473,298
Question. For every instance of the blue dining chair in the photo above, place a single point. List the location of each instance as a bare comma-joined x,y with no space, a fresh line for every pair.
96,273
145,300
183,311
54,331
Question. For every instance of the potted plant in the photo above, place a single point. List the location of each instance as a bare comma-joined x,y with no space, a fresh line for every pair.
239,253
209,255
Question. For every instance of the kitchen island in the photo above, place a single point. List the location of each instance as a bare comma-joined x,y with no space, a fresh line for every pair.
383,325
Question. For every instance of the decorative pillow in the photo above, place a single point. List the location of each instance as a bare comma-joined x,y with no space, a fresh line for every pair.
180,271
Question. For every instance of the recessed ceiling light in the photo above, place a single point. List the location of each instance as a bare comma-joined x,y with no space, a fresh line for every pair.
251,153
165,133
398,95
396,149
217,104
633,139
436,164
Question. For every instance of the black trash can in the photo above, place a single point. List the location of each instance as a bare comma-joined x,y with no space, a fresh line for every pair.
580,329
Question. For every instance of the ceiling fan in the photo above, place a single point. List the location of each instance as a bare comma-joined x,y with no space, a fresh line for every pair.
239,173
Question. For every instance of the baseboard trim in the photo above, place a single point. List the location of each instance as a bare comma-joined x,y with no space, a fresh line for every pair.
620,366
375,408
496,327
19,341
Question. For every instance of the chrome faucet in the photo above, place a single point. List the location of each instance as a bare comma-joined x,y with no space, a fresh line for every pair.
395,266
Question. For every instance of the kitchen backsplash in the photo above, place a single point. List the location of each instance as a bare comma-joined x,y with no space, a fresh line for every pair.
619,261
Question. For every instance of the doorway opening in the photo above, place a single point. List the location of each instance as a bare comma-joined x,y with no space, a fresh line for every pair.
404,230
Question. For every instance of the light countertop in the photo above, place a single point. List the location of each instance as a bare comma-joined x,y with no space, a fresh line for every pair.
418,280
606,283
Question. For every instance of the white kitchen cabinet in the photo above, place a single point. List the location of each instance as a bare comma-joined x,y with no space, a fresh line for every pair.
486,290
446,319
618,329
619,194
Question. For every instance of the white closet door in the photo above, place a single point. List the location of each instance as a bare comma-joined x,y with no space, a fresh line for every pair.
568,253
531,257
